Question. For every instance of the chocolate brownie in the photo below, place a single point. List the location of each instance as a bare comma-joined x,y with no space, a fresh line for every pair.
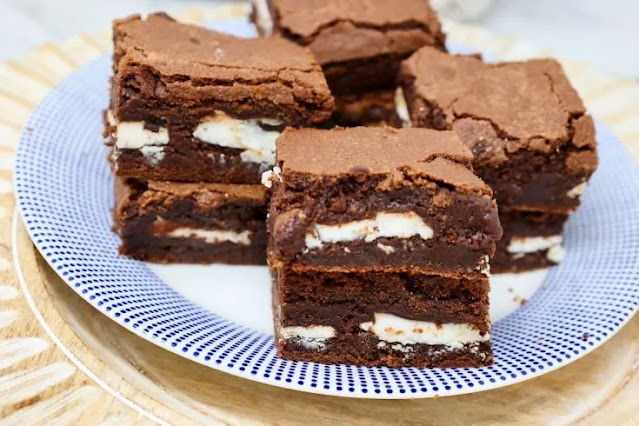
381,318
531,240
358,43
533,142
378,198
191,222
190,104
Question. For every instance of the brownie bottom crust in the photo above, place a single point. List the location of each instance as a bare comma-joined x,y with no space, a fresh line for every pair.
532,240
141,245
366,350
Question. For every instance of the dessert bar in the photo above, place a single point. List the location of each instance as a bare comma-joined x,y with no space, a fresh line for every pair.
189,104
380,199
381,318
191,222
378,244
358,43
533,142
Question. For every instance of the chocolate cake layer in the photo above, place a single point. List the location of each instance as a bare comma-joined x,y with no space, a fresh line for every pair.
380,199
359,43
371,318
527,127
184,95
531,240
346,300
139,244
192,223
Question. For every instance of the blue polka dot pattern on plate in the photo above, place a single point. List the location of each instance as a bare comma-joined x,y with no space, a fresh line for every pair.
64,191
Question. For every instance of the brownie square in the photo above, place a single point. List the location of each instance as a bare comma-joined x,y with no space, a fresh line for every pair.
533,142
358,43
193,105
382,199
170,222
531,240
381,318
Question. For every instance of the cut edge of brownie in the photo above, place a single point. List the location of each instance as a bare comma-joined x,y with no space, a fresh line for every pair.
170,222
532,240
381,331
345,300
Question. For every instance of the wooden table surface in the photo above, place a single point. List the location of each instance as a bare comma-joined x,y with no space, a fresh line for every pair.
62,361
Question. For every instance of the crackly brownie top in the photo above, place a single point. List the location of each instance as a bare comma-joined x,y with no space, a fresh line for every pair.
338,30
191,62
405,157
189,50
521,100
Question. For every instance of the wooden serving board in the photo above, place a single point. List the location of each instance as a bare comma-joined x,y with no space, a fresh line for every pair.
62,361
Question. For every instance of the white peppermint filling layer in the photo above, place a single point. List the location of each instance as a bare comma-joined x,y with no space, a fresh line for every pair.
388,225
401,107
524,245
317,332
263,17
153,154
393,329
311,337
577,190
258,144
133,135
213,236
556,253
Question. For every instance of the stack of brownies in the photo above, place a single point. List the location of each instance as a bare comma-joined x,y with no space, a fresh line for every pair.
359,44
192,122
533,142
379,239
379,242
